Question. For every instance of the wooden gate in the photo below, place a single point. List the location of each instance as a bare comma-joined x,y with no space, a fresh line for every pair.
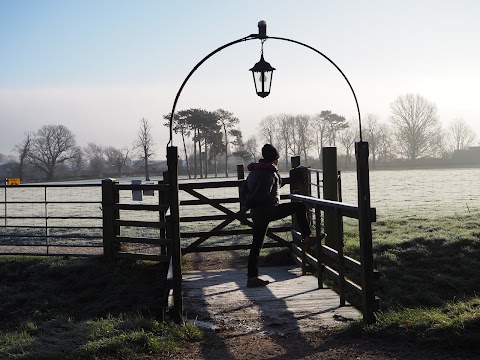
227,217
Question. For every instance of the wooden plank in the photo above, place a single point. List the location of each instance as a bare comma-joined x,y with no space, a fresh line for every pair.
158,187
135,240
345,209
209,185
125,255
290,303
350,262
350,284
204,218
208,202
145,207
309,259
135,223
229,232
201,249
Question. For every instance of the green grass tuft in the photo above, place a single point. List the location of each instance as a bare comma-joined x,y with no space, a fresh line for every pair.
429,284
55,308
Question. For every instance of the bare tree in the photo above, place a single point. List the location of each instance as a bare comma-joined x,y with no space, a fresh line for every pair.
347,138
461,135
272,129
384,143
372,135
251,145
51,145
304,130
22,151
268,129
144,145
95,155
287,139
117,158
416,126
77,161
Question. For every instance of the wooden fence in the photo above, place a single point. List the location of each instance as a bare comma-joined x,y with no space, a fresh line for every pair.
165,246
333,213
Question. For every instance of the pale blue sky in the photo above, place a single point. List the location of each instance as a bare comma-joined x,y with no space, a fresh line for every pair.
99,66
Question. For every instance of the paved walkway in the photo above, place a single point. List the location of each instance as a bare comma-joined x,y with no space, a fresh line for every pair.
220,300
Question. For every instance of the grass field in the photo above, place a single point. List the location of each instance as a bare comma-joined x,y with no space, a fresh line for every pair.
429,285
429,260
56,308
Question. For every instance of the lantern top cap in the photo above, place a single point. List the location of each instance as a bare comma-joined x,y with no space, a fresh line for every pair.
262,66
262,29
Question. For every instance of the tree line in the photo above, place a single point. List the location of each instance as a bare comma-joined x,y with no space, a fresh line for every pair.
212,142
53,149
412,131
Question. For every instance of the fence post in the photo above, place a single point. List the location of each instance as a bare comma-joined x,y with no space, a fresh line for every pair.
299,181
109,199
299,184
318,225
241,176
161,214
330,192
172,162
295,161
240,172
365,230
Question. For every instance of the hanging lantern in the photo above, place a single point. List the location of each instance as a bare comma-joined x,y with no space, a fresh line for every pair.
262,73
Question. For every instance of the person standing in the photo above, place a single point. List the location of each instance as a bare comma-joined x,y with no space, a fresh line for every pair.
262,197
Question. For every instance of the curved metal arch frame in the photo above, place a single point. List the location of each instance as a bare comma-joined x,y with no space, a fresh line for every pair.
253,37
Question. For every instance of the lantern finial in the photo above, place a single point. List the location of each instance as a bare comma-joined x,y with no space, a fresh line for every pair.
262,29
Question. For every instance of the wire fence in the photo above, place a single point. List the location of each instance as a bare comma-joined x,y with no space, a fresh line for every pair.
51,219
420,192
67,218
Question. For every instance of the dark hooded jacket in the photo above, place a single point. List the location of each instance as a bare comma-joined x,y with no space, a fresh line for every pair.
262,186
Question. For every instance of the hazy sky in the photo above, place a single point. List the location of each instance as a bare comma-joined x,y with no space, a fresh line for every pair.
99,66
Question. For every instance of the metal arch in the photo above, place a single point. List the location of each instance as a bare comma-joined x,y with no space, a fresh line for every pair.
336,66
252,37
249,37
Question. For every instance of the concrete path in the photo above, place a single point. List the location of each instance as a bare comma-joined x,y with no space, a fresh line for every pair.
220,300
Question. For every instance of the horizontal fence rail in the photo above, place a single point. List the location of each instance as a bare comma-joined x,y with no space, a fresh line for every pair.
336,268
135,227
51,219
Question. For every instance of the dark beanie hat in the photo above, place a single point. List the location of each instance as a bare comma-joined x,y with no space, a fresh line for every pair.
269,153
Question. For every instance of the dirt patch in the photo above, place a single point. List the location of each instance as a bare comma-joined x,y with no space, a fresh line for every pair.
322,344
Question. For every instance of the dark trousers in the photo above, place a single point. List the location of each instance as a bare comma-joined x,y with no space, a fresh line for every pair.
262,216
